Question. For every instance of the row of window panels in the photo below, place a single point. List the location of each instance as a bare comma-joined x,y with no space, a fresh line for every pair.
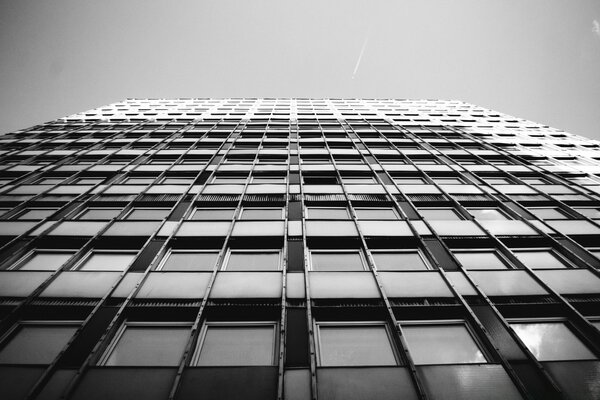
444,213
319,259
444,351
322,284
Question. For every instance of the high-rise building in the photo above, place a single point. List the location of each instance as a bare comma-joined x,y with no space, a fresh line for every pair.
298,249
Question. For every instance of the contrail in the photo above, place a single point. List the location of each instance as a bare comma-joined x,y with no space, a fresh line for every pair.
364,46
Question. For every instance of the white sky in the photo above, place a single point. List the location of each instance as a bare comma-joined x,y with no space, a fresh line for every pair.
536,59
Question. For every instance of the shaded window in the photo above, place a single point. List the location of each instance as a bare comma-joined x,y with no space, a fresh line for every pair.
592,213
189,260
268,179
480,259
488,213
551,341
399,260
36,213
497,181
138,181
148,344
376,213
253,260
336,260
146,213
99,213
409,181
363,180
231,180
262,213
47,260
442,343
112,260
212,213
36,343
240,343
177,181
327,213
440,214
88,181
350,344
447,181
548,213
541,258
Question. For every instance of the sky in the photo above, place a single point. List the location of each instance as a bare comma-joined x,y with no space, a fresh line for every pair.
534,59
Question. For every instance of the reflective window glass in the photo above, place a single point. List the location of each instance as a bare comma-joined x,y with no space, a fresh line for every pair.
399,260
44,260
480,259
247,260
37,213
147,345
540,259
237,344
376,213
442,344
548,213
35,343
212,213
343,260
440,214
552,341
146,213
106,261
347,345
487,213
187,260
99,213
327,213
592,213
262,213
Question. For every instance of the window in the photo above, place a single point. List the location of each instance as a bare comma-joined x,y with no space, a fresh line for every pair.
88,181
409,181
480,259
541,258
327,213
46,260
363,180
497,181
253,260
348,344
551,341
534,181
336,260
147,213
189,260
177,181
447,342
237,343
49,181
36,213
440,214
138,181
394,260
36,342
268,179
447,181
262,213
488,213
376,213
99,213
230,180
592,213
548,212
106,260
212,213
148,344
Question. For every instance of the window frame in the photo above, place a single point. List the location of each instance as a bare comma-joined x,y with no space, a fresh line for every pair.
112,345
226,259
363,260
318,346
202,338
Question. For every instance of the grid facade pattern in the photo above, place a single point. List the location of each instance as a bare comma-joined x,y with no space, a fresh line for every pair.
299,249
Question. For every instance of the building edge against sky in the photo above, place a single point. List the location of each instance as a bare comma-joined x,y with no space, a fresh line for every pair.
298,249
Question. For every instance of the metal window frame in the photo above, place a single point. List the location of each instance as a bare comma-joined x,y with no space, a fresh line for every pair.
205,326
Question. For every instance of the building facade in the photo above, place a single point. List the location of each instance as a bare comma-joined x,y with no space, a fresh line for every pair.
298,249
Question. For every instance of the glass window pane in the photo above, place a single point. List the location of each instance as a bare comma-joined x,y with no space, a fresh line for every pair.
551,341
238,345
37,213
100,213
213,213
336,261
36,344
177,181
539,259
48,261
262,213
327,213
107,261
253,261
439,214
355,345
139,181
592,213
399,261
148,213
480,260
147,346
487,213
442,344
376,213
190,261
548,213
